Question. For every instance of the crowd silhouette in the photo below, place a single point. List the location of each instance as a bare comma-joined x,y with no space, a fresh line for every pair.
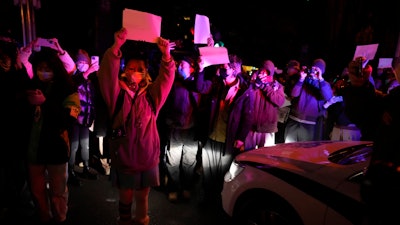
176,121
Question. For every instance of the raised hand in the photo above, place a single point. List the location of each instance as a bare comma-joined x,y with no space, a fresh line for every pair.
210,41
94,67
165,47
25,52
120,37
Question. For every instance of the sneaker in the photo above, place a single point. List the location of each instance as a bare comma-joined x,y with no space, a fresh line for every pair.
89,173
173,196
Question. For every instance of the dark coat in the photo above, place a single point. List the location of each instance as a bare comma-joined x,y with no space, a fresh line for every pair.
49,143
181,107
240,110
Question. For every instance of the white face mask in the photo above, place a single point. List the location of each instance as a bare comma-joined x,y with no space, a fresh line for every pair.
45,76
83,67
183,73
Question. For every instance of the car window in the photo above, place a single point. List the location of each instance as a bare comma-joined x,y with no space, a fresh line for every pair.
352,155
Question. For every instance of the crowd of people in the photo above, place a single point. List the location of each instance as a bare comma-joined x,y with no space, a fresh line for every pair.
166,119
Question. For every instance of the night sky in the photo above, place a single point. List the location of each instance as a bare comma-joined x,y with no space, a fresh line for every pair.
278,30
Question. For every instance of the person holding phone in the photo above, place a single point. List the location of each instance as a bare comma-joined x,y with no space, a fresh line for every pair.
53,43
80,133
53,108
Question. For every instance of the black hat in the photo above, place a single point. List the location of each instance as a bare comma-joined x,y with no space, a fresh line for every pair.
320,63
269,66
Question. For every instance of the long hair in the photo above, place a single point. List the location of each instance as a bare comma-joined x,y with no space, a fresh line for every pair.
61,80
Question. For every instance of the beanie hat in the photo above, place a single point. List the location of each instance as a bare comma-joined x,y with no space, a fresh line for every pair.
293,64
269,66
189,60
82,55
320,63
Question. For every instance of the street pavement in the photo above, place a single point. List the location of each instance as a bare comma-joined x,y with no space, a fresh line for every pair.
96,203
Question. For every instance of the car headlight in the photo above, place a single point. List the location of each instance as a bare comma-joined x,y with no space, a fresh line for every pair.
234,170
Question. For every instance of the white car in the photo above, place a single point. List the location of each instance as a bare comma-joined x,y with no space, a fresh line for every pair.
302,183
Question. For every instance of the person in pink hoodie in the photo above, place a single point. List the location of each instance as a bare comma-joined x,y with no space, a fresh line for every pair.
135,152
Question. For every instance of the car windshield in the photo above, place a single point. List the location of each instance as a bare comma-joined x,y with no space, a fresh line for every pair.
352,155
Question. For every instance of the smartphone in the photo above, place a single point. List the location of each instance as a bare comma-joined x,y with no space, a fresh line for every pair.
94,59
45,42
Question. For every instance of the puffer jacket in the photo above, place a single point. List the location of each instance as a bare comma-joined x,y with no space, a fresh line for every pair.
86,93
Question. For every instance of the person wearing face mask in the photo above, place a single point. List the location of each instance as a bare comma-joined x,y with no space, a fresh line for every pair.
134,142
269,97
230,106
181,112
54,108
79,135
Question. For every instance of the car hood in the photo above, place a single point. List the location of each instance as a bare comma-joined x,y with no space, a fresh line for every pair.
305,156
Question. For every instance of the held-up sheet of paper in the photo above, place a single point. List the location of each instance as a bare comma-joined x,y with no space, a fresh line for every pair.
213,55
141,26
201,29
367,51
